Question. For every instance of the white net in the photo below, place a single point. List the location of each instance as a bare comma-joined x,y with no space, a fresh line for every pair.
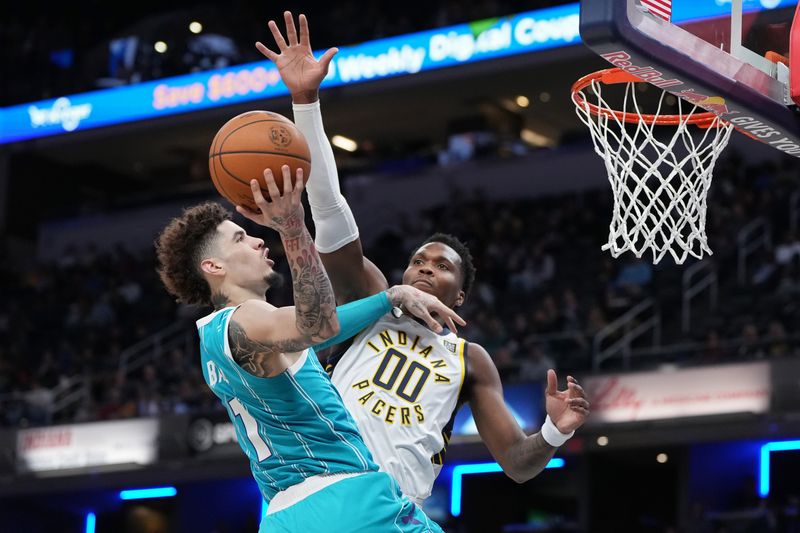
660,184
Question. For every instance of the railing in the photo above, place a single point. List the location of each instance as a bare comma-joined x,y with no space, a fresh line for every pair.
156,345
637,321
68,394
706,276
752,238
689,353
71,392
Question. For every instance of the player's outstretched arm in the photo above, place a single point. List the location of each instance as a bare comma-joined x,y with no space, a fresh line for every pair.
300,71
357,315
352,275
521,456
258,330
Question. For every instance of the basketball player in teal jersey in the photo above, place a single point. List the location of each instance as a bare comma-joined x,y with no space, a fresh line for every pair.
305,451
402,382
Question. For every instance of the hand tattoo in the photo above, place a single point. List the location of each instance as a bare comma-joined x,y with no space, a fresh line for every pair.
291,226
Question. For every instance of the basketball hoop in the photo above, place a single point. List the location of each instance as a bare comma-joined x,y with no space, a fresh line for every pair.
660,186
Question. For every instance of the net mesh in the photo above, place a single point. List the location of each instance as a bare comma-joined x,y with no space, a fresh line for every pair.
660,184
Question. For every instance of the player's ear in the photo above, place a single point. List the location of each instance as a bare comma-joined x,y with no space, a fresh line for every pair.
460,299
212,266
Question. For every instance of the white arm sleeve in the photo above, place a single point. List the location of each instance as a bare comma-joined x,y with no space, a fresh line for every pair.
334,222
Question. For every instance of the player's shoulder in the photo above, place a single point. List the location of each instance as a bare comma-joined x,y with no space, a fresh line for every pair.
481,366
251,310
254,305
476,350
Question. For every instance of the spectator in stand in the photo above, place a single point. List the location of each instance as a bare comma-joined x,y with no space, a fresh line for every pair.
788,251
40,404
544,266
535,363
763,272
595,321
776,336
789,284
751,347
634,276
570,311
713,352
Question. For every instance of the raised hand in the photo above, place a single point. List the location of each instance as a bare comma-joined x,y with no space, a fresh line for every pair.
568,409
425,307
284,212
301,73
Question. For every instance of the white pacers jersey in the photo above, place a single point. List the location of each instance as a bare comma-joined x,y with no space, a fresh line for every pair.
401,382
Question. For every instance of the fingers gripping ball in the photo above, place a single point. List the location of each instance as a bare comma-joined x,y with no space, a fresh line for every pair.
247,145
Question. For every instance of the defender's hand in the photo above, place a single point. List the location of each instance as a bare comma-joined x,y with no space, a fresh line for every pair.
424,306
568,409
301,73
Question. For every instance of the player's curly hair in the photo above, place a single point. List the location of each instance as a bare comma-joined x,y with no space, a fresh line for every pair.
467,266
182,245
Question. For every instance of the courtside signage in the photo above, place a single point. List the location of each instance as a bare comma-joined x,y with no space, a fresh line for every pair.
727,389
87,445
373,60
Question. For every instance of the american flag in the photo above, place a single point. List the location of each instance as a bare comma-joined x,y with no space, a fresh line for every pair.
659,8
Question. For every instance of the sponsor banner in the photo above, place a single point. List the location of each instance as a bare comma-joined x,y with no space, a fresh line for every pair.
87,445
737,114
383,58
372,60
718,390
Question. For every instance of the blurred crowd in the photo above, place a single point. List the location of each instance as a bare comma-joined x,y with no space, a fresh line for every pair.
544,290
81,46
69,322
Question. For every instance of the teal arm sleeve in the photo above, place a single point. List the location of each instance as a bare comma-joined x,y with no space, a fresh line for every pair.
355,316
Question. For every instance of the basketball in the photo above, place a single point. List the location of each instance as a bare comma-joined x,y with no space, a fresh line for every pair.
247,145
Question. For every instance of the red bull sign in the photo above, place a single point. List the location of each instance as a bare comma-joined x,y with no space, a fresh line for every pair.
714,104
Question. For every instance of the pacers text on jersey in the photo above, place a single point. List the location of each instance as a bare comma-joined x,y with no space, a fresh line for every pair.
403,373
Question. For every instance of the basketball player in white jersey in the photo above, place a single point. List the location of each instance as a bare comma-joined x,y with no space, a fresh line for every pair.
402,382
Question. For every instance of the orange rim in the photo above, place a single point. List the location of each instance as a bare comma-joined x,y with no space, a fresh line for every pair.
613,76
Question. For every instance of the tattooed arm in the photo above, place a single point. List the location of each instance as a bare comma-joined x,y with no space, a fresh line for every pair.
259,331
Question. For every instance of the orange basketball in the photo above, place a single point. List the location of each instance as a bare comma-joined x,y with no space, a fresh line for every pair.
250,143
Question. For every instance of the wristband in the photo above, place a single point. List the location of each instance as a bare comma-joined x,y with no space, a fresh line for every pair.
552,435
355,316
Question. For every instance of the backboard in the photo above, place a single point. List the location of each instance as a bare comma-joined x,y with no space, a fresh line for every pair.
710,53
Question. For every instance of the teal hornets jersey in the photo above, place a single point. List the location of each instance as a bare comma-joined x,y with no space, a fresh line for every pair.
291,426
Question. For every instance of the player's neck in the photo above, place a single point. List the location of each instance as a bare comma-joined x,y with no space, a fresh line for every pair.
422,322
231,296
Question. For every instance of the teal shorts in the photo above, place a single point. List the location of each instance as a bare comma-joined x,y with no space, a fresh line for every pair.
369,503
